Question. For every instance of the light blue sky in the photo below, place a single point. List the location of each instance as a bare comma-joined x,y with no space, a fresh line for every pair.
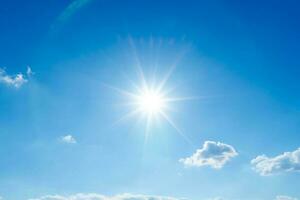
60,134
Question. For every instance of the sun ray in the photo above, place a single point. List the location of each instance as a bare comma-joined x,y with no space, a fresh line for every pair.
133,84
151,99
175,99
170,121
127,116
121,91
150,102
138,63
169,72
147,129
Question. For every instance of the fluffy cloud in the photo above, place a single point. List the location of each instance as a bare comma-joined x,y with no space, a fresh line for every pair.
94,196
286,162
15,81
214,154
285,198
68,139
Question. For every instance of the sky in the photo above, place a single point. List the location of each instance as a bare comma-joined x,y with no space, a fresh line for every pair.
149,100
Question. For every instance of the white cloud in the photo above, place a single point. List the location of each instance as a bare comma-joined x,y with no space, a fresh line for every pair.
29,71
68,139
214,154
285,198
286,162
217,198
15,81
93,196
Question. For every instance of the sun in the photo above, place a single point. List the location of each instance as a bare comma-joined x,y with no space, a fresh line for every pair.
151,102
149,99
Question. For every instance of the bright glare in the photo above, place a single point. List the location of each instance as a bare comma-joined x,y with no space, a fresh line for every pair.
150,102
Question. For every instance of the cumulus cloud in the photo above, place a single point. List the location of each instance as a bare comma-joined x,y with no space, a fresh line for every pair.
213,154
286,162
93,196
68,139
285,198
15,81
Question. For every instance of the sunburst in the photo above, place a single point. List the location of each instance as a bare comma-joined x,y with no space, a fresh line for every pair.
149,101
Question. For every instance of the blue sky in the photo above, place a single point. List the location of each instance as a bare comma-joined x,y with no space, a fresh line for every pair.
65,67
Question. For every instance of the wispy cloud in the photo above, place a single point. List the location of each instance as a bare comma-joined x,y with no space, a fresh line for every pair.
285,198
68,139
68,12
94,196
29,71
213,154
286,162
12,80
216,198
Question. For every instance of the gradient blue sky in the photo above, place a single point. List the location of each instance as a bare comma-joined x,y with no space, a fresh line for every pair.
242,57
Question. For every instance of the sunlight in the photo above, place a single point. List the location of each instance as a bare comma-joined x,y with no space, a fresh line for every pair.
150,102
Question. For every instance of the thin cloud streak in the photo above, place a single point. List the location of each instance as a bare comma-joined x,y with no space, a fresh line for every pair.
68,12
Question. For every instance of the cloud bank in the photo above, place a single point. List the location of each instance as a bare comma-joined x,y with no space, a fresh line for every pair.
213,154
127,196
94,196
286,162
